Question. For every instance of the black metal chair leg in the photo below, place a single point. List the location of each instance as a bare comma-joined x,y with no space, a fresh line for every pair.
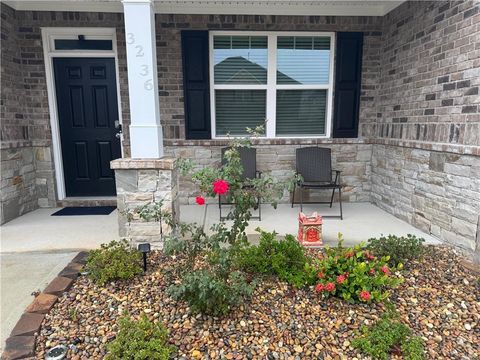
293,195
340,200
301,198
331,200
259,210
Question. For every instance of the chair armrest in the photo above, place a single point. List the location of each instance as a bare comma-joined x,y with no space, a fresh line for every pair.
337,171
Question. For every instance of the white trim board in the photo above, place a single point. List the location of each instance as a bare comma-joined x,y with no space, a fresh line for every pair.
49,34
227,7
271,87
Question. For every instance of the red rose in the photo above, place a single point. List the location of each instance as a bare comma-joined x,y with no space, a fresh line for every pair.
349,254
330,286
319,288
220,187
372,272
200,200
368,256
321,275
365,295
385,269
341,279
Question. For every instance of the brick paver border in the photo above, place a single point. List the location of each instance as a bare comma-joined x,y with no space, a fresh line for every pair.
21,343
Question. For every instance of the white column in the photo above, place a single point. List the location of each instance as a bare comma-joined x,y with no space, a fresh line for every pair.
146,138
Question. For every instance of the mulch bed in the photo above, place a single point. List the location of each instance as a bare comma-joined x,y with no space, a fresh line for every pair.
439,300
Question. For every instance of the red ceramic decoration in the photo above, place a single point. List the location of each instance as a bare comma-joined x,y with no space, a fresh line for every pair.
310,230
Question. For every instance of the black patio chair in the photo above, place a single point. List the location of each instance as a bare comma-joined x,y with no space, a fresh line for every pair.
314,165
248,158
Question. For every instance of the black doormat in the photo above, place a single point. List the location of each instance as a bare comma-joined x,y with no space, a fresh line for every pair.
84,210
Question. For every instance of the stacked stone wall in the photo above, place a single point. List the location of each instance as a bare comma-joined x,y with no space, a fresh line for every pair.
352,158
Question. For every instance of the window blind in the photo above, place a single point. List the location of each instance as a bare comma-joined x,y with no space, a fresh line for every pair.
235,110
301,112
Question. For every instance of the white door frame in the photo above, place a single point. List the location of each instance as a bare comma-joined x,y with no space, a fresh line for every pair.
49,34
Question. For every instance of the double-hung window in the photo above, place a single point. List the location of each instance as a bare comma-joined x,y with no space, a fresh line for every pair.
283,80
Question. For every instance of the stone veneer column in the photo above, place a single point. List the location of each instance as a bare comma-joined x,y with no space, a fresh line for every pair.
140,182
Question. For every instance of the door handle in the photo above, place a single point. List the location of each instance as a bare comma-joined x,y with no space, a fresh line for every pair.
118,126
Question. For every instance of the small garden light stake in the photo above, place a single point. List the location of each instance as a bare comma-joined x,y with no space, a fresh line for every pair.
144,249
56,353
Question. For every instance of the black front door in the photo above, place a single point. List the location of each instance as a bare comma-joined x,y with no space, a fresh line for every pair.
87,110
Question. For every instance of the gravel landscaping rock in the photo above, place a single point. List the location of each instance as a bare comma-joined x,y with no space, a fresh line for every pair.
439,300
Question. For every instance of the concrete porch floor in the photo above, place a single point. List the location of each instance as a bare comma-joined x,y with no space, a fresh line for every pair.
361,221
39,231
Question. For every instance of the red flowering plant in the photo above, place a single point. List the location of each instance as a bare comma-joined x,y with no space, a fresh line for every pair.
228,181
211,281
354,274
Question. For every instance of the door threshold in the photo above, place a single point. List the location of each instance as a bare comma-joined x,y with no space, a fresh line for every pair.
88,201
73,198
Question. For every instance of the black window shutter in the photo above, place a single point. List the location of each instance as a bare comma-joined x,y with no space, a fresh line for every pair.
348,75
196,85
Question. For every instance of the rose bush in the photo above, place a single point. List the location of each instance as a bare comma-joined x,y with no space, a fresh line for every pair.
211,280
354,274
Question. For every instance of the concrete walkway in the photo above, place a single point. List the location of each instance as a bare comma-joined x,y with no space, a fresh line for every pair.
35,248
22,274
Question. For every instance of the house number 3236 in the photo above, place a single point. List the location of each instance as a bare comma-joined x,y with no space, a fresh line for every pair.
148,84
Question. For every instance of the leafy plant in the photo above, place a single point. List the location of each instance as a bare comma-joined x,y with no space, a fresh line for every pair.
387,336
283,258
211,293
73,314
140,340
353,273
114,261
401,249
210,282
152,212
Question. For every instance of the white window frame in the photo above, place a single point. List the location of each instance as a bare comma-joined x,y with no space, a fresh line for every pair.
49,34
271,87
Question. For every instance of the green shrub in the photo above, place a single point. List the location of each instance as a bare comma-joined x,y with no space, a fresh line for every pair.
208,292
399,248
283,258
140,340
389,335
353,273
113,261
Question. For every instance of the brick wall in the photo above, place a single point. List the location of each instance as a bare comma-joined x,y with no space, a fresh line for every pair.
429,123
18,189
429,86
